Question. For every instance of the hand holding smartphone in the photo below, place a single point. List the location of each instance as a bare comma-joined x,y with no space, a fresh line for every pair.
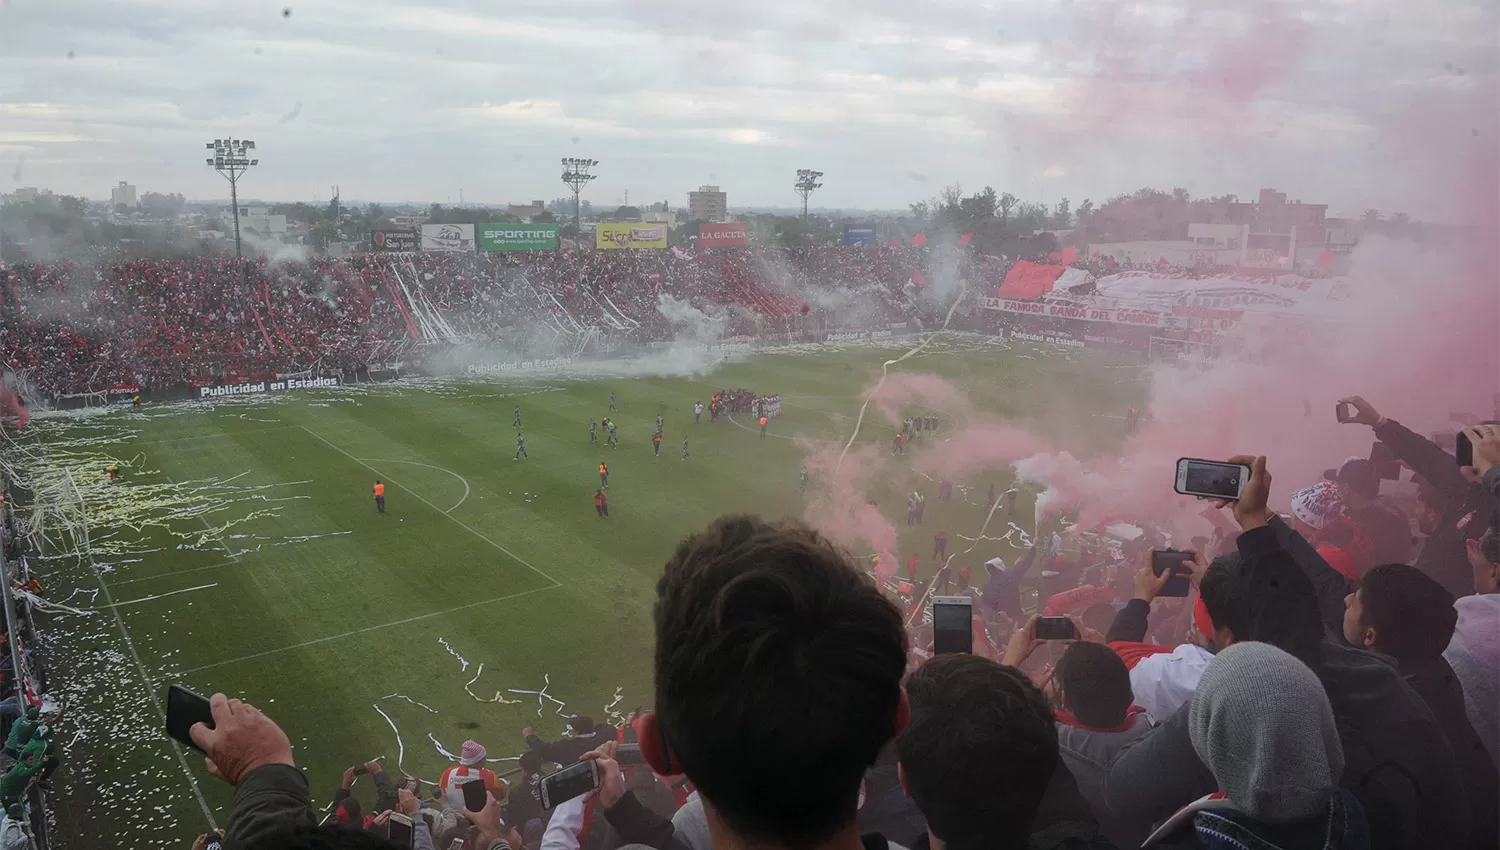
952,624
1163,560
572,781
1055,628
400,831
475,795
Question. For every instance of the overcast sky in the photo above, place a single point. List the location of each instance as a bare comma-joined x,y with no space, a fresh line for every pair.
1356,103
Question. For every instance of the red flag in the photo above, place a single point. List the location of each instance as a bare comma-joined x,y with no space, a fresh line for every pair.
964,239
918,278
919,240
1069,255
894,243
1325,260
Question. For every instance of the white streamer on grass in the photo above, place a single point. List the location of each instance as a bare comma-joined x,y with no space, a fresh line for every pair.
498,697
400,747
410,700
454,653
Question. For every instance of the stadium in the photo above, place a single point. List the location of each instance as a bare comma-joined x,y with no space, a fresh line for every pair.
577,525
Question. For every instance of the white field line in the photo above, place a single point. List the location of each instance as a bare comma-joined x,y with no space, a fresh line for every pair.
461,524
140,666
367,629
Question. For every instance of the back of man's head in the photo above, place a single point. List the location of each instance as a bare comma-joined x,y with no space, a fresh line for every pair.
1095,685
1099,617
1411,614
778,677
1223,596
979,752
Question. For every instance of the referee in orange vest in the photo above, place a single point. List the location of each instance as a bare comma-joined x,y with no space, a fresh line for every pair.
603,475
379,496
763,421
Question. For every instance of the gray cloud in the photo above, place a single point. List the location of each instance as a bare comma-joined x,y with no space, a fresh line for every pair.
401,99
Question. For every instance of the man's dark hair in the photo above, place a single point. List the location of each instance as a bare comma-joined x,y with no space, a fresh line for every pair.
1099,617
1095,684
582,725
1223,595
778,676
531,763
1412,615
979,752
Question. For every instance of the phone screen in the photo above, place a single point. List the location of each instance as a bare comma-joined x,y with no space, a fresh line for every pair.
952,624
475,797
1465,447
573,781
1169,559
185,708
629,755
1211,478
400,831
1055,628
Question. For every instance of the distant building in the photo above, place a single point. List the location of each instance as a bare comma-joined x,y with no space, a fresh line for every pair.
708,204
527,212
28,193
123,194
1271,232
258,219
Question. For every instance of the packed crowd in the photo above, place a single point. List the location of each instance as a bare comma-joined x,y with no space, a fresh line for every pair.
74,328
1321,681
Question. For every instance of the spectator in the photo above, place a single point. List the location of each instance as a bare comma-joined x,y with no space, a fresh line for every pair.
470,768
1450,508
1388,529
1398,763
523,803
1401,612
773,651
980,758
1162,679
1262,723
636,808
347,810
250,752
1098,718
1476,642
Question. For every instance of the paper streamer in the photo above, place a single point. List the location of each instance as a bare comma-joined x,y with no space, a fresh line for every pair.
400,747
497,698
410,700
454,653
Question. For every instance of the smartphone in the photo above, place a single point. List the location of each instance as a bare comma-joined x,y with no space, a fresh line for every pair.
458,844
573,781
399,830
1055,628
629,755
952,624
1211,479
360,770
185,708
1171,559
475,795
1465,448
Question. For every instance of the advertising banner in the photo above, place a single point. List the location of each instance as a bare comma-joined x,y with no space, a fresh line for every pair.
733,235
859,234
447,237
394,241
625,234
517,237
1060,309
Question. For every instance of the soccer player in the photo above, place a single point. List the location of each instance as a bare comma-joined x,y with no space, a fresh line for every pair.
520,447
517,423
658,423
603,475
697,411
601,503
802,481
940,545
1010,500
379,496
611,399
896,447
593,431
763,421
684,448
614,435
656,443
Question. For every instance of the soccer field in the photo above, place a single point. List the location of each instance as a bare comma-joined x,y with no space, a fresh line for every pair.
241,552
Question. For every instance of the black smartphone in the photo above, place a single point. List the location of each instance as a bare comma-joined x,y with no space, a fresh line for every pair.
1465,448
1344,412
185,708
399,830
572,781
1056,628
1171,559
629,755
475,796
952,624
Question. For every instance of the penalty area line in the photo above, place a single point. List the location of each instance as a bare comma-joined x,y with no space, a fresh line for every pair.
366,630
461,524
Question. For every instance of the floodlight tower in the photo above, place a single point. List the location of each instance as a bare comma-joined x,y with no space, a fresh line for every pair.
576,175
807,183
232,159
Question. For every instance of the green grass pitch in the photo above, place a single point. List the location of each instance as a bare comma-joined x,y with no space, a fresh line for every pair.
242,553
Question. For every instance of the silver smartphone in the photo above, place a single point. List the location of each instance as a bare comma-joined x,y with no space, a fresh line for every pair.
1212,479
